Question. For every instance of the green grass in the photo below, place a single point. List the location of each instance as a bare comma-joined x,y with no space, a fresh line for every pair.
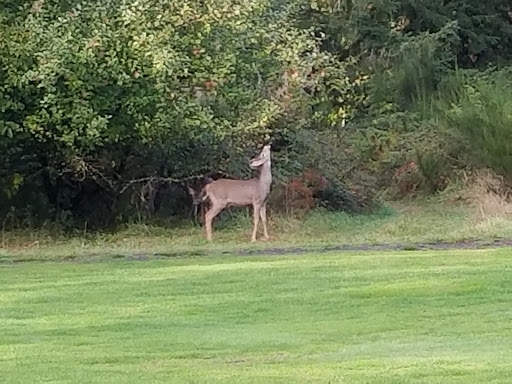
403,223
406,317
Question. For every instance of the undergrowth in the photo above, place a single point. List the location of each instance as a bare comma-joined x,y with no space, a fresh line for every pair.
459,214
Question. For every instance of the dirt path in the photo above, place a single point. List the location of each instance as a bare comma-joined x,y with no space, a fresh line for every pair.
476,244
138,256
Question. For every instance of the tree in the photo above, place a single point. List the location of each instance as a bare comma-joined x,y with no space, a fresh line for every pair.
106,92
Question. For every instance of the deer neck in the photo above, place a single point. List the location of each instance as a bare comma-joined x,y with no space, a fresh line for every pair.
265,178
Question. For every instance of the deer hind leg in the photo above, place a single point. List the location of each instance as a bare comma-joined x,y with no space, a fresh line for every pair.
202,213
214,210
194,212
263,215
256,218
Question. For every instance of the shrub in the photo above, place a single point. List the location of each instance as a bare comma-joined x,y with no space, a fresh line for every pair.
482,117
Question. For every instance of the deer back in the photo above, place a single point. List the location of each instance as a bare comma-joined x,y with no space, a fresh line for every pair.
235,192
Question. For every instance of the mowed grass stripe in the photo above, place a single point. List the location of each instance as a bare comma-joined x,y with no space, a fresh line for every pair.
338,317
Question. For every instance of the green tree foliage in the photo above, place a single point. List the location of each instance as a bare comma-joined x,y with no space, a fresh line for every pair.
99,93
165,74
485,28
372,28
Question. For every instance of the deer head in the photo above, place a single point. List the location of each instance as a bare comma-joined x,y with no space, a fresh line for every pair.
262,158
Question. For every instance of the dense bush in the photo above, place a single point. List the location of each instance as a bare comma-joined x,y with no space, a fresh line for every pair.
107,109
98,94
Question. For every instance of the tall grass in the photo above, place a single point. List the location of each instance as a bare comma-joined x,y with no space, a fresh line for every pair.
435,219
482,117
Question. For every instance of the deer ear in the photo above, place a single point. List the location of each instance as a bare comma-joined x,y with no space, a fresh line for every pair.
191,191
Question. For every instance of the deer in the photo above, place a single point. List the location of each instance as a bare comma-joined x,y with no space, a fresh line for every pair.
223,193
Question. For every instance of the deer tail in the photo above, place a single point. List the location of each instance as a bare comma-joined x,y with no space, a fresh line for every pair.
203,196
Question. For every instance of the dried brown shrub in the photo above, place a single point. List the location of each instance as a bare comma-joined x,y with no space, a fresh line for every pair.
488,192
297,197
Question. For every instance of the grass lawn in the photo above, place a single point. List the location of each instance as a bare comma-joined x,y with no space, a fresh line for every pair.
391,317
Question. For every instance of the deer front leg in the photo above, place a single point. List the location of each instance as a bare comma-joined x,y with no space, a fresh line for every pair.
263,215
256,218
